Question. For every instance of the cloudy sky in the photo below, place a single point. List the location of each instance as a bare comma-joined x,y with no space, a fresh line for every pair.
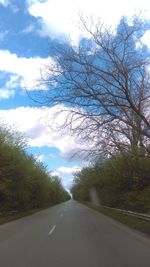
29,30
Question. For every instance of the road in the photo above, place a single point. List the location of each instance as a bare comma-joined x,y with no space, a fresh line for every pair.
71,235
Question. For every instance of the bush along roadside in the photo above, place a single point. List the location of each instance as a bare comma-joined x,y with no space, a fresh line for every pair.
25,183
122,181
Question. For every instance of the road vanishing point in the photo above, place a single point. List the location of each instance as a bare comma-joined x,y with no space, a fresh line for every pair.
71,235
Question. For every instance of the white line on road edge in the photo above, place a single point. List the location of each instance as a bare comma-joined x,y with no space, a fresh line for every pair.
51,231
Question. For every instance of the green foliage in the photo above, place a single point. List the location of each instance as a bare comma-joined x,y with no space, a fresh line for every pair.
58,194
122,181
24,182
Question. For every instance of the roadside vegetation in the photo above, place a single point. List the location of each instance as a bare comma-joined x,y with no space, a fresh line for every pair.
25,183
122,181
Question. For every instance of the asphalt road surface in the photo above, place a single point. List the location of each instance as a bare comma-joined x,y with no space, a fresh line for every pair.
71,235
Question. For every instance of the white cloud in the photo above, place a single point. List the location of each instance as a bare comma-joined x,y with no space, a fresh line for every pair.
9,3
66,174
6,93
29,29
68,170
146,38
9,89
37,125
28,69
39,157
12,82
5,3
60,17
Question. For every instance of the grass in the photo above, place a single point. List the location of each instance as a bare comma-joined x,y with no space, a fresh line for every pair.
131,221
14,215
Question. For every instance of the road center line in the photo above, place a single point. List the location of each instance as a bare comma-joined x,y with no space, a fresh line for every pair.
51,231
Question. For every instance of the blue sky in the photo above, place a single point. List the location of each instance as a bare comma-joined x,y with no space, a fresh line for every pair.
29,31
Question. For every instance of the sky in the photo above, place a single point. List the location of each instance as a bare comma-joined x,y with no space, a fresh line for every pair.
29,31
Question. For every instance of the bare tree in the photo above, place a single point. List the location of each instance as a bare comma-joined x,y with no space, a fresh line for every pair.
105,81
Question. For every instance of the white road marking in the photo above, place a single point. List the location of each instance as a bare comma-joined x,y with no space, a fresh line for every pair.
51,231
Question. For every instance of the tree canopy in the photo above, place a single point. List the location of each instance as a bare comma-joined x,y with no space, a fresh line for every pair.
105,80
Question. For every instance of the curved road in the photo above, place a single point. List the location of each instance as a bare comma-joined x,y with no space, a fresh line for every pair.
71,235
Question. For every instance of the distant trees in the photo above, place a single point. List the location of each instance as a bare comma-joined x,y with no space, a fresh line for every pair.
105,81
24,182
